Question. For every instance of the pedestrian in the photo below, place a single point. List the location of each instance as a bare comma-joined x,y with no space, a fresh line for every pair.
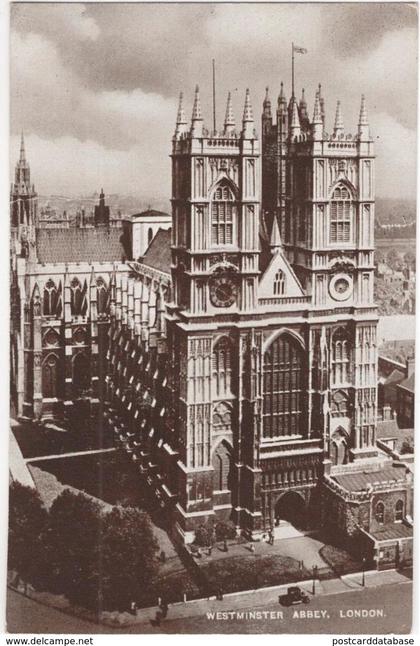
164,608
162,556
158,618
252,547
133,608
209,550
225,547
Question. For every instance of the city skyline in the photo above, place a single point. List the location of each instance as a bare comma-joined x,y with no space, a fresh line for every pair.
111,109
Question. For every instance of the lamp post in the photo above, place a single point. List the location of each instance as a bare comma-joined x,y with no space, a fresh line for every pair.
314,577
363,570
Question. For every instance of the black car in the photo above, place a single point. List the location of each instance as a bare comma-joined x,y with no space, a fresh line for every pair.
294,596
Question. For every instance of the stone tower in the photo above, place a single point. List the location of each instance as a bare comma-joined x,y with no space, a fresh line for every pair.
215,258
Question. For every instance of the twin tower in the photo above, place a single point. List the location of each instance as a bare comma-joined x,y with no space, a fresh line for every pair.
272,323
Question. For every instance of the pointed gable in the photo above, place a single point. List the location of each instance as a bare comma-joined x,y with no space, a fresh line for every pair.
279,280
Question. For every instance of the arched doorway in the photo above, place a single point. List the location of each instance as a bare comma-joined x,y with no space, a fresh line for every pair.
291,508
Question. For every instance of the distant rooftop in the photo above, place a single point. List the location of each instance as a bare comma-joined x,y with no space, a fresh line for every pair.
158,253
101,244
151,213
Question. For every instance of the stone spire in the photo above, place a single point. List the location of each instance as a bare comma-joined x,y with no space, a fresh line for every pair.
317,124
282,103
229,118
181,120
275,238
363,127
303,104
295,122
338,125
248,118
22,157
322,104
267,105
197,119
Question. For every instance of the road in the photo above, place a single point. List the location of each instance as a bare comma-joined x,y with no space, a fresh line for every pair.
393,602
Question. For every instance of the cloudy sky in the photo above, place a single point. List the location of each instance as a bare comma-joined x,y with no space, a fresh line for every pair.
95,87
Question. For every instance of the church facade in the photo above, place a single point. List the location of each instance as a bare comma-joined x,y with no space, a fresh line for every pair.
236,360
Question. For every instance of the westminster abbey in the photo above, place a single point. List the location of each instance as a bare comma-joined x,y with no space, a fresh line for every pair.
233,356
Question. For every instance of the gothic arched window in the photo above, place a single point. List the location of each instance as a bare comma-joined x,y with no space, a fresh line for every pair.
380,513
221,368
50,376
399,511
50,298
283,387
78,302
222,211
340,357
340,214
279,283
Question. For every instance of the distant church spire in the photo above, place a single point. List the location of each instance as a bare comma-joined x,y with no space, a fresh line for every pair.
229,118
181,119
22,157
338,125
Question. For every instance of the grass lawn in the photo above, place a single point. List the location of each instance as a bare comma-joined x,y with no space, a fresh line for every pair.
340,561
251,572
36,440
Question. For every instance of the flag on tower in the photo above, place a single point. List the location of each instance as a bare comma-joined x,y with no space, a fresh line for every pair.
299,50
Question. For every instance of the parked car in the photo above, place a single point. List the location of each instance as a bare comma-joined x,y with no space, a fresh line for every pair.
294,595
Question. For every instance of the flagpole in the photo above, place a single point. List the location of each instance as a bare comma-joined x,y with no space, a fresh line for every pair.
293,70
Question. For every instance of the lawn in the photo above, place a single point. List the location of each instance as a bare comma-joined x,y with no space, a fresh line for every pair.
340,561
251,572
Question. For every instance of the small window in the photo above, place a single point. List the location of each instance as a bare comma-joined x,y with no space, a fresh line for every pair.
340,215
380,513
399,511
279,283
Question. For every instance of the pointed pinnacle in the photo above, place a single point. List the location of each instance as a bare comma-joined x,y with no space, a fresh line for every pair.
302,103
275,238
22,148
338,125
295,115
248,116
363,117
317,109
196,114
181,118
229,118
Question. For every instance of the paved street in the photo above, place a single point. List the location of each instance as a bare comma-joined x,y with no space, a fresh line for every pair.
392,604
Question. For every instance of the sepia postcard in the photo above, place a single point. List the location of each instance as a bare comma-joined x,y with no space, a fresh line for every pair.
212,317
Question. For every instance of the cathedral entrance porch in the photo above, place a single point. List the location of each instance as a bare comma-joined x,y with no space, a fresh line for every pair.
291,508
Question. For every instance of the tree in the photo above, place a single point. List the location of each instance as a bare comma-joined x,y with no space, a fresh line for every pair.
225,529
203,536
73,542
129,557
27,521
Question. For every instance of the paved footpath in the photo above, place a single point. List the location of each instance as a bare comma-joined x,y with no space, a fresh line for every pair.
261,597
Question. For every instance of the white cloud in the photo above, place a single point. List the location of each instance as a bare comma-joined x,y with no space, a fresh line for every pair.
396,157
